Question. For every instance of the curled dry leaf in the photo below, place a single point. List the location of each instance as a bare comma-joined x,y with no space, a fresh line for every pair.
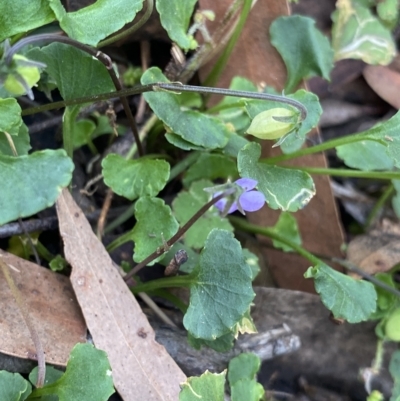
376,252
142,369
52,307
385,82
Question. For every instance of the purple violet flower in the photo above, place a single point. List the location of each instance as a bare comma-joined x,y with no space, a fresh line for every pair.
249,200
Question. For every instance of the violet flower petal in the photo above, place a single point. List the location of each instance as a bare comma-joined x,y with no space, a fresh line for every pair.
220,205
252,201
246,183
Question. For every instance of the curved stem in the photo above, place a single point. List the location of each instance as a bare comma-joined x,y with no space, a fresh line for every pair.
175,87
132,29
379,204
165,282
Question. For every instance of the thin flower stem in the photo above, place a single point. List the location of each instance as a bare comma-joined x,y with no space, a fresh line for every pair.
132,29
174,87
31,327
337,172
174,238
379,204
165,282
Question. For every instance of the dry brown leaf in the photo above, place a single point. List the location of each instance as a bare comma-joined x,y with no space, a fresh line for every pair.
52,307
385,82
256,59
142,368
376,252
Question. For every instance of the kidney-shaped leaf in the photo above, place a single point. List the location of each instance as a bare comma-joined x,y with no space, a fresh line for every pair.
155,225
284,188
223,291
192,126
209,386
134,178
13,387
175,17
88,377
32,183
304,49
93,23
347,298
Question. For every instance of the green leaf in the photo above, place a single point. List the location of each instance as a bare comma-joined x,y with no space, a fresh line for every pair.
388,12
285,189
58,264
21,142
394,369
87,377
175,16
10,116
242,372
76,73
135,178
22,16
252,261
287,227
357,33
155,225
83,131
234,145
193,126
210,166
52,375
304,49
365,155
32,183
295,139
347,298
392,326
187,203
220,344
207,387
93,23
180,143
13,387
223,291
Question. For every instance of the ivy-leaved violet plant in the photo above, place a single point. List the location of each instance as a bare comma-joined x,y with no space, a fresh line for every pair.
214,155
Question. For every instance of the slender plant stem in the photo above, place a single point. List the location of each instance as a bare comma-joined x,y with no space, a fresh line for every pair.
31,327
174,87
183,165
337,172
132,29
121,240
220,65
378,360
389,191
165,282
244,225
176,237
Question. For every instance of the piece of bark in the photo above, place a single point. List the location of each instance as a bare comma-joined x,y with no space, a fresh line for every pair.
53,309
256,59
142,368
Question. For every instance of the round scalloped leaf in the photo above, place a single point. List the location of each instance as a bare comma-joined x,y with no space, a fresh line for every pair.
243,366
95,22
155,225
32,183
283,188
135,178
347,298
223,291
304,49
194,127
13,387
175,18
208,387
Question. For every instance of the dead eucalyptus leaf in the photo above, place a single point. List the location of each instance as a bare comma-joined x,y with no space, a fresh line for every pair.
376,252
52,307
142,368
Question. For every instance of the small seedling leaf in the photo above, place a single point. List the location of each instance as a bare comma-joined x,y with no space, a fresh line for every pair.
23,16
357,33
304,49
273,181
223,291
155,225
175,16
193,126
347,298
209,386
32,183
287,227
187,203
13,387
88,377
93,23
135,178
